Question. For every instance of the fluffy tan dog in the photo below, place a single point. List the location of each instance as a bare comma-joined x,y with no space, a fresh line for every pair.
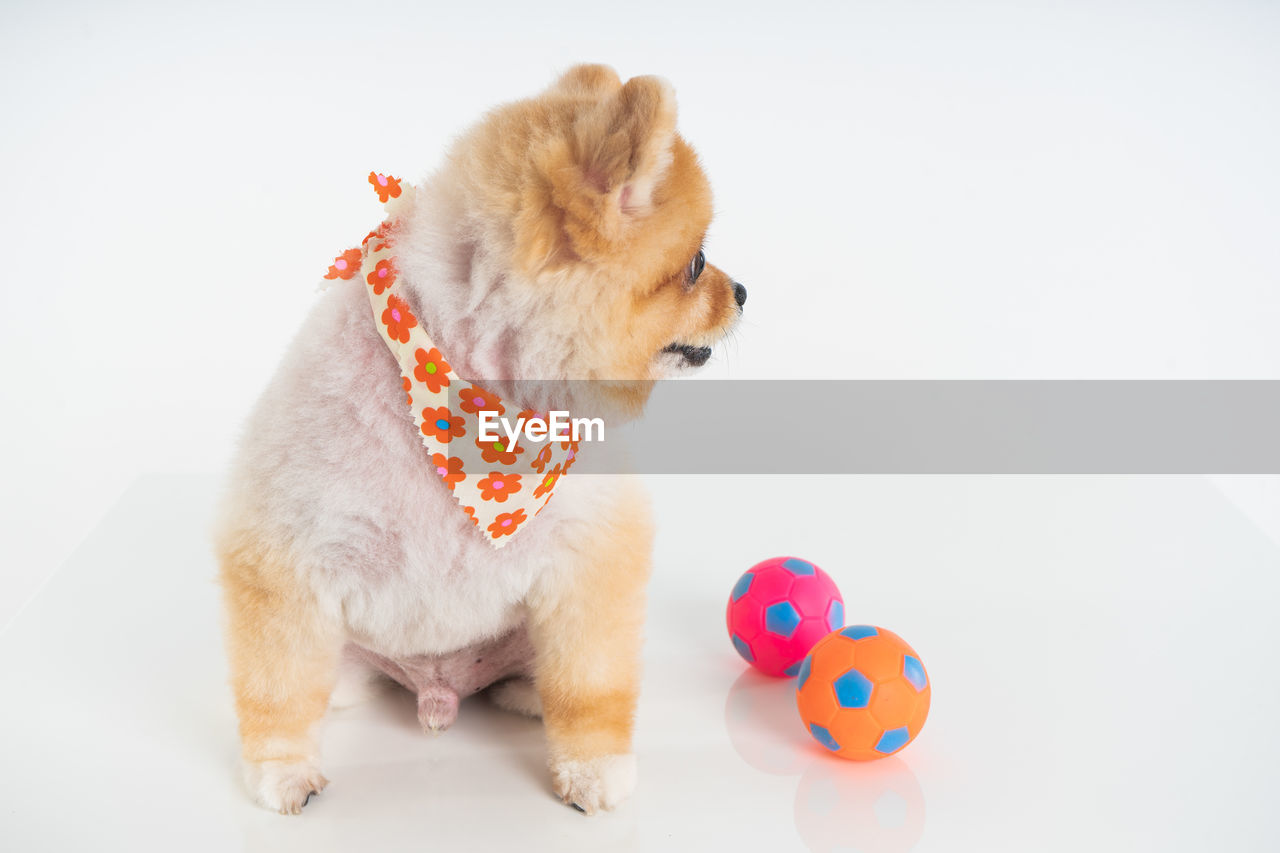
561,240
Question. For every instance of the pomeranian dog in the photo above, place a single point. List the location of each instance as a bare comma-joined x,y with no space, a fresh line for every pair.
561,239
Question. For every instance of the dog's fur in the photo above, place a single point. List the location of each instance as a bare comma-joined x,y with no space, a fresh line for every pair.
555,243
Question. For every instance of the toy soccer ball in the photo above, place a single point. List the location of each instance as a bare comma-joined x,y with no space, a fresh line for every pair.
778,609
863,692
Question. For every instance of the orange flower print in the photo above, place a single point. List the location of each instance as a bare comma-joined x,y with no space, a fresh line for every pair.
345,265
475,400
499,486
450,470
441,424
382,277
431,369
471,514
548,482
544,456
407,385
506,523
544,503
398,319
496,452
385,186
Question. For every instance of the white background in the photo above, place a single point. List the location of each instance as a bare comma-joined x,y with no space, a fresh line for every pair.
933,190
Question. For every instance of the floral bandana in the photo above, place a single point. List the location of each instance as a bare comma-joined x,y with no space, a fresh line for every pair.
499,488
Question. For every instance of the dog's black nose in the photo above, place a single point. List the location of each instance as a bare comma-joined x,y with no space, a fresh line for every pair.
739,294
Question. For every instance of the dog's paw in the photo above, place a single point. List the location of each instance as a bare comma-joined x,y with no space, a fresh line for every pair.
600,783
284,786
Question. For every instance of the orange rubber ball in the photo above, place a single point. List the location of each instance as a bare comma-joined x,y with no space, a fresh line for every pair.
863,693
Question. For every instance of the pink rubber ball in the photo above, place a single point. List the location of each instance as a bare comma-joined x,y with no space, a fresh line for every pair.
778,610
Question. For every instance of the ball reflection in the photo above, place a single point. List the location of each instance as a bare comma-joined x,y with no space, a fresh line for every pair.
764,726
876,807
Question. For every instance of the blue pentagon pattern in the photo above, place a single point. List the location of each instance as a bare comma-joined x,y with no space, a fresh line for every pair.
835,615
913,671
740,588
804,671
797,566
853,689
781,619
822,736
893,740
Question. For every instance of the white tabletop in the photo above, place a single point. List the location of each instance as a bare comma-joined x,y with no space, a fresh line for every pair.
1103,653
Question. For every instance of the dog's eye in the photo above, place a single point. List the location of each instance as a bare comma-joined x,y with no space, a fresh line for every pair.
696,266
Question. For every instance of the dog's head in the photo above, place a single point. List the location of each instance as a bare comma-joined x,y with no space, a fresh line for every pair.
572,224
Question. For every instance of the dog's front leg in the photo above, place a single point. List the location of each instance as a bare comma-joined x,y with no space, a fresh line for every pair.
585,624
284,659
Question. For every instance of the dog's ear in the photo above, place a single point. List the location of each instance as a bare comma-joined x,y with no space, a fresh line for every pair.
623,146
592,80
602,172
